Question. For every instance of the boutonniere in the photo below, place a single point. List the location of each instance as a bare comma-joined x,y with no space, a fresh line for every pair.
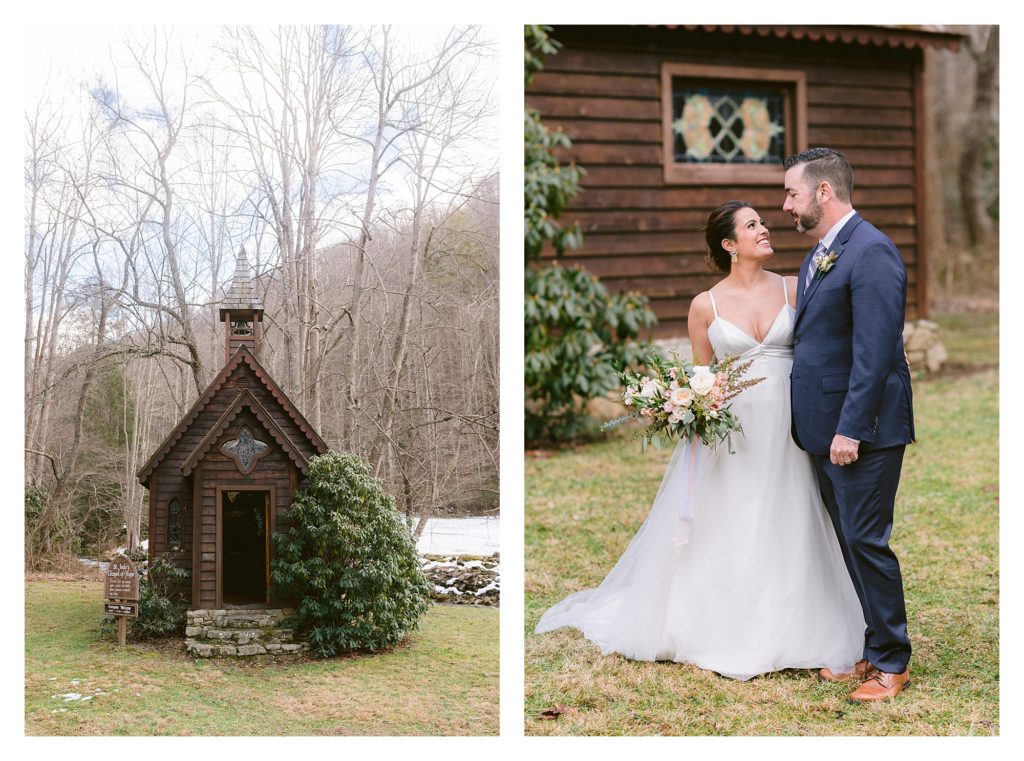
824,262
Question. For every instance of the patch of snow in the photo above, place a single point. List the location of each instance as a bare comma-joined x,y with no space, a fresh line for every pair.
70,696
464,536
432,564
144,544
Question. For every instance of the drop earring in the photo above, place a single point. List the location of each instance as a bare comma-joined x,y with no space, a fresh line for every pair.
733,256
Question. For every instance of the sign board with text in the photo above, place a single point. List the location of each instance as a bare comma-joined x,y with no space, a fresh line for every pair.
122,582
121,609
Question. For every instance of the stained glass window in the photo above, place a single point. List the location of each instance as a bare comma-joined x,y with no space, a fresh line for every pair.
245,450
722,125
174,524
730,125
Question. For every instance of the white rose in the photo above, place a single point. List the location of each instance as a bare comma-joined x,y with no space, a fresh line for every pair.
681,397
703,380
650,388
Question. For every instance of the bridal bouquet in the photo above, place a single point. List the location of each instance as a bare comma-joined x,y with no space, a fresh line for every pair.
689,401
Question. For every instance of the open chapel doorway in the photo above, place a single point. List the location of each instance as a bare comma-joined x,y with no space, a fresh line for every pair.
245,546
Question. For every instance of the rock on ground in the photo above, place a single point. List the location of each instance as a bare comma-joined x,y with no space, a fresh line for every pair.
463,579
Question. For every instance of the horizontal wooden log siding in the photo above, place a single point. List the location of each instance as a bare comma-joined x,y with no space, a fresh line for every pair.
603,90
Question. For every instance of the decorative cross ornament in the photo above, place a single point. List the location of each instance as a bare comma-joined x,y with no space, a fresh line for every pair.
246,450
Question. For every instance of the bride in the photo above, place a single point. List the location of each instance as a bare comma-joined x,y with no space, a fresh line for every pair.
737,568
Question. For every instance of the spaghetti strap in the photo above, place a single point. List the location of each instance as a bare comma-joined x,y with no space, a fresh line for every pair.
785,290
713,307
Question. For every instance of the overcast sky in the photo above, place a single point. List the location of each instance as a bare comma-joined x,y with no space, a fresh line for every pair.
65,63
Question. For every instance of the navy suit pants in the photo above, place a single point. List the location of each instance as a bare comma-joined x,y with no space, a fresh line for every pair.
860,499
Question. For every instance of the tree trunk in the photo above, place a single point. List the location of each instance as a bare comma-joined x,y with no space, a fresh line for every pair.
346,428
978,224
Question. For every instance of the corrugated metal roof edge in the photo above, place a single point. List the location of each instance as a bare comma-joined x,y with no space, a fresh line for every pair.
881,36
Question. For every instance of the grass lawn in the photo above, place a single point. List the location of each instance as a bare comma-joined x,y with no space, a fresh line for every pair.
583,507
442,681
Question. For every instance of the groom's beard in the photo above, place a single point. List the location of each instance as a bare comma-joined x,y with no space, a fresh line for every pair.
811,218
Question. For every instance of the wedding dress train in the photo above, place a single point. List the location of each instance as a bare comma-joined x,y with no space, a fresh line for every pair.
737,568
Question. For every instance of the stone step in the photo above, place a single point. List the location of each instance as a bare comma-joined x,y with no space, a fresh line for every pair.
239,636
237,618
208,650
239,632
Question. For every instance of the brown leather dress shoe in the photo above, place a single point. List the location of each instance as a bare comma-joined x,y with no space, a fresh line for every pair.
881,686
861,671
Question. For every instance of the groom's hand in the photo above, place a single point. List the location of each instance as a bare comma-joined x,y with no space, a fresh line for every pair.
843,450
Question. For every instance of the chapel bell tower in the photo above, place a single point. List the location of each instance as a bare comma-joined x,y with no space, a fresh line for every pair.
242,311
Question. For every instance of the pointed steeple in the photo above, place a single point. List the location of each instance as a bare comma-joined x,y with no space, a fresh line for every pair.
242,310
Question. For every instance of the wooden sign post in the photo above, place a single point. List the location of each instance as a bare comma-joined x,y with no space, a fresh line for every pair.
121,590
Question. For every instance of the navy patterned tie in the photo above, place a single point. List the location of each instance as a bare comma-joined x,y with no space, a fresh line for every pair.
819,249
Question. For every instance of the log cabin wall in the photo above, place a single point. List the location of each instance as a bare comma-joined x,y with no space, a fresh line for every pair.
643,233
168,485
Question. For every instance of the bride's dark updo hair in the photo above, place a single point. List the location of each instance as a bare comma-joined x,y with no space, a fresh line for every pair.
721,225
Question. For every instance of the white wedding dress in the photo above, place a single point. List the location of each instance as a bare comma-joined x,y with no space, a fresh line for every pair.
737,568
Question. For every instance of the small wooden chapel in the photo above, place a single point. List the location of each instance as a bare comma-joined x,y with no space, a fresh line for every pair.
220,483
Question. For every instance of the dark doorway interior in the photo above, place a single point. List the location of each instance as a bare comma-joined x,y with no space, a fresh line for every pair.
244,544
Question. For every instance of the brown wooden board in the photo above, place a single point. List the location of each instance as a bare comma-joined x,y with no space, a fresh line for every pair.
607,131
122,580
130,609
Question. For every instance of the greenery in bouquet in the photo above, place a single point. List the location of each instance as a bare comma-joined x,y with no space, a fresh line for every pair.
679,399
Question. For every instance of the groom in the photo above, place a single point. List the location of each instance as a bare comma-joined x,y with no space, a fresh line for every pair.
852,409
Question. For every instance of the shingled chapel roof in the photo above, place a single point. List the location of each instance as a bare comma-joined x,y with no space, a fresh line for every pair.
241,296
242,398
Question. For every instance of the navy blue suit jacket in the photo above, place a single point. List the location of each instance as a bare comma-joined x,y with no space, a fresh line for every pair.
850,374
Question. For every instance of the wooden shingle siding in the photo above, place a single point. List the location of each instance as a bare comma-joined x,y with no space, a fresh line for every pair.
641,233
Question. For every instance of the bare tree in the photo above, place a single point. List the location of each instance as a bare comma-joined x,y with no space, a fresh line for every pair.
344,160
296,86
397,82
142,144
983,46
961,96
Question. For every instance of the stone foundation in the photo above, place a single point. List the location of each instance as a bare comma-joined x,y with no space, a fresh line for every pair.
239,632
924,349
